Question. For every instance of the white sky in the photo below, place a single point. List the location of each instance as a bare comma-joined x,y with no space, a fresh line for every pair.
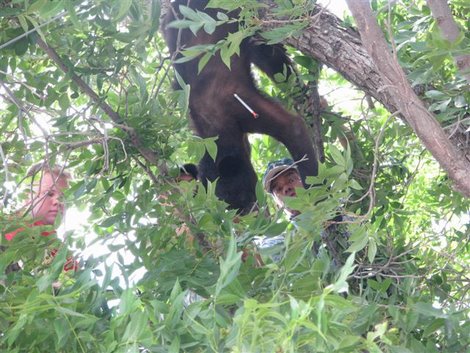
338,7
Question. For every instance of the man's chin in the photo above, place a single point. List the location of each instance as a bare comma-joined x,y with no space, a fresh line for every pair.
50,220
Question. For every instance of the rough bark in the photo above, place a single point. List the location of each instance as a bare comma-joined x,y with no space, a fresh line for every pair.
450,31
411,107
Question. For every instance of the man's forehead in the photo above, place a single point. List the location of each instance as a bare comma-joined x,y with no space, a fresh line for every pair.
51,181
284,174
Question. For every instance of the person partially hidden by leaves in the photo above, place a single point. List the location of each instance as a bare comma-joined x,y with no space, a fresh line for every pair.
282,180
188,172
45,208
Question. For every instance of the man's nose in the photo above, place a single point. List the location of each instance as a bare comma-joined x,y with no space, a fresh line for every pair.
287,189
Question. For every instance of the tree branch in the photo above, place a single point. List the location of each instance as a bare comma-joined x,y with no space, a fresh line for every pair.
413,110
340,48
450,31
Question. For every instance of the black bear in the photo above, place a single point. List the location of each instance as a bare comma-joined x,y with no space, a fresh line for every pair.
226,103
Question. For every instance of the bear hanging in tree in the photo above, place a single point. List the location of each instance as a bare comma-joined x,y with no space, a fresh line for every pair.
225,102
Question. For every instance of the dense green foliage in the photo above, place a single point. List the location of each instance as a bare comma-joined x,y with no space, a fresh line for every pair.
399,283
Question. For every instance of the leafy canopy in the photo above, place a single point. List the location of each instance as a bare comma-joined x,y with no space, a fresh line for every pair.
394,280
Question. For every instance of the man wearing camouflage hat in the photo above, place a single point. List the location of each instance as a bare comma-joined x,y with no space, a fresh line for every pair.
281,180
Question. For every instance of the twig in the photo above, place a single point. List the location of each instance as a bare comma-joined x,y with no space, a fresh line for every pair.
147,170
371,192
20,106
31,31
5,167
75,145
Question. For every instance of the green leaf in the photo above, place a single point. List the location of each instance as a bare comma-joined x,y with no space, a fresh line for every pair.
229,266
154,18
209,23
61,331
69,6
203,61
341,285
195,27
276,228
232,46
358,239
307,62
23,23
337,156
136,328
137,78
13,333
433,94
400,350
355,185
371,250
222,16
45,282
68,312
428,310
37,6
124,6
434,326
188,13
10,12
51,8
64,101
281,33
211,147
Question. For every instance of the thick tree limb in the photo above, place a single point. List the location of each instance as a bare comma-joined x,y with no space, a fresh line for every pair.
450,31
411,107
340,48
148,154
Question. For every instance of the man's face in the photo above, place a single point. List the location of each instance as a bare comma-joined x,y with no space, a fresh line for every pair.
47,198
284,185
184,177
